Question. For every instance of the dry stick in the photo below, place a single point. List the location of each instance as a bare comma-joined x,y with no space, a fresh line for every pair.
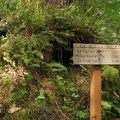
61,111
115,94
85,69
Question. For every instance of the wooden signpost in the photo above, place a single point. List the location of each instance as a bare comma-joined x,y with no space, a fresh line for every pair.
95,55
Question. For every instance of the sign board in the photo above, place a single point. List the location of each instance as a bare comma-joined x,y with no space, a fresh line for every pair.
96,54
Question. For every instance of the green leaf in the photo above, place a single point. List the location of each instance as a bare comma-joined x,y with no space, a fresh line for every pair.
41,96
24,84
75,95
59,77
110,73
29,76
118,109
106,105
42,93
81,114
35,65
38,54
57,67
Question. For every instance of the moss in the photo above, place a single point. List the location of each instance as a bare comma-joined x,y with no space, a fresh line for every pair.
110,74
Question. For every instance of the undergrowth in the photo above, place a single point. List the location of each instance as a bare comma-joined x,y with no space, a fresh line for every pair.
36,36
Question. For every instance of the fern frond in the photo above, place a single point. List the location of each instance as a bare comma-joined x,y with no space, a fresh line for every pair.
57,67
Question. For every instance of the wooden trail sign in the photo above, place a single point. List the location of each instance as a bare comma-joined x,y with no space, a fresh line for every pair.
95,92
95,55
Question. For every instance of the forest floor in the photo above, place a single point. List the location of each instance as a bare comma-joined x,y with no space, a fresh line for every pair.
10,76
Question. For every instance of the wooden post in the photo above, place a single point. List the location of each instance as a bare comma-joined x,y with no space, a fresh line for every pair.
95,93
95,55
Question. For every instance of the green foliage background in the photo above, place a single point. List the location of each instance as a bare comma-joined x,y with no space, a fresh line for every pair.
30,32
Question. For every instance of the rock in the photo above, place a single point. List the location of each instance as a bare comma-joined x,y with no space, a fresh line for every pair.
14,109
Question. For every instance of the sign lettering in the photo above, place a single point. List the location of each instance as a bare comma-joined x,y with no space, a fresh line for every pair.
96,54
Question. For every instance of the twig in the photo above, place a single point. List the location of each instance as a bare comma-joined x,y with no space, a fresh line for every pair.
84,69
61,111
115,94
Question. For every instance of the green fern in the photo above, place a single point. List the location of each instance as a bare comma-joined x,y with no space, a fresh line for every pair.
110,74
55,67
